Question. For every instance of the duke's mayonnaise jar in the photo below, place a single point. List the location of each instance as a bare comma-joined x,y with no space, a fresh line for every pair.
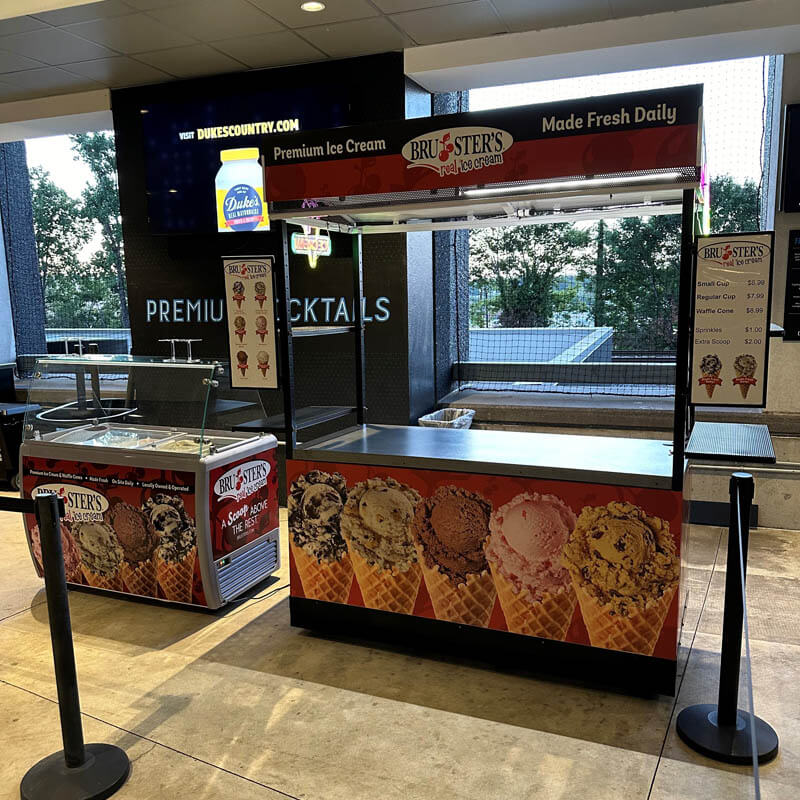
240,192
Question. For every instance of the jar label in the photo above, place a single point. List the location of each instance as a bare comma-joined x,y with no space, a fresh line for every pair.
241,208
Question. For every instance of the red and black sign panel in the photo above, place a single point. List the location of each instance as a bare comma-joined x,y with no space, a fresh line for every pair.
634,132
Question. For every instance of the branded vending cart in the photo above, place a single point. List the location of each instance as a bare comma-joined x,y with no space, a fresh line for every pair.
563,551
157,504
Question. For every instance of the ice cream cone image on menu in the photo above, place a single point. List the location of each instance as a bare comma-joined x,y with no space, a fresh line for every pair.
138,541
261,293
261,327
240,327
238,293
263,361
72,558
524,551
315,505
376,524
624,567
241,362
744,366
177,546
101,555
710,366
450,531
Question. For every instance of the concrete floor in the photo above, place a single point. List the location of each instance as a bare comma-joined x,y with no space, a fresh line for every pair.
242,706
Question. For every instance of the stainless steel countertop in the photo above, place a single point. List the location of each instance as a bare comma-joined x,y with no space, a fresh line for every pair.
589,459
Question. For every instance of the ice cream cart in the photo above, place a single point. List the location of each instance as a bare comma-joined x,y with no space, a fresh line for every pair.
560,550
158,505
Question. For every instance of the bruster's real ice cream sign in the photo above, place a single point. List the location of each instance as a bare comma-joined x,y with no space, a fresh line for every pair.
457,150
81,504
242,480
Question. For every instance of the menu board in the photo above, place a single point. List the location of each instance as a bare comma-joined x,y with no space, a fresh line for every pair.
251,321
791,307
730,335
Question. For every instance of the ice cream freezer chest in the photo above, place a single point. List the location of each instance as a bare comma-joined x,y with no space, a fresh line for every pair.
160,513
574,562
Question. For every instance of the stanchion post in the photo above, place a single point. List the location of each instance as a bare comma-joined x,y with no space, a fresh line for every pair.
55,587
79,771
741,494
722,730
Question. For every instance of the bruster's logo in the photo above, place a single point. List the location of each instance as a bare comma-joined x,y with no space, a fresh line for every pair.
732,253
81,504
242,481
451,151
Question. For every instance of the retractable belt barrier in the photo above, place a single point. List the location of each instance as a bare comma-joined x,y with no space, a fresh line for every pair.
79,771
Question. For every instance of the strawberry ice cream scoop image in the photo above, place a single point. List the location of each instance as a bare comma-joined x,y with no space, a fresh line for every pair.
527,535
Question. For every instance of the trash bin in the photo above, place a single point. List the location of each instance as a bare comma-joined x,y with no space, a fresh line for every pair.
448,418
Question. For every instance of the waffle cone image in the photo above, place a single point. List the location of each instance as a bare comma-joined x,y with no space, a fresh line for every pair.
387,590
176,578
744,388
637,632
98,581
329,581
711,386
548,616
624,567
140,577
470,603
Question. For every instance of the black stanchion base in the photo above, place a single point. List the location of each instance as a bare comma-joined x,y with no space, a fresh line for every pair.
104,772
697,727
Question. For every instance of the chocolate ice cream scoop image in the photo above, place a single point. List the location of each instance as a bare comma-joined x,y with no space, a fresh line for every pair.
72,559
241,359
134,531
451,527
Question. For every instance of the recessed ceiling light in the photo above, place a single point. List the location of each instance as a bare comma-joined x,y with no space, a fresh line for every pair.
312,5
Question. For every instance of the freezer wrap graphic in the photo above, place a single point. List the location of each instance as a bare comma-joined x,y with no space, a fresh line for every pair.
126,529
588,564
243,502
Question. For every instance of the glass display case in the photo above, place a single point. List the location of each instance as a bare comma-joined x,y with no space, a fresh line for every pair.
158,503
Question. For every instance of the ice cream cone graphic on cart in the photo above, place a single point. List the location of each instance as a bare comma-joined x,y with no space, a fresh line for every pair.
710,367
319,551
450,530
524,551
177,546
744,366
376,524
139,542
101,555
624,567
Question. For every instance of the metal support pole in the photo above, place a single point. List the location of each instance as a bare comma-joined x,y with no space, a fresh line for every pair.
722,730
79,771
741,493
358,332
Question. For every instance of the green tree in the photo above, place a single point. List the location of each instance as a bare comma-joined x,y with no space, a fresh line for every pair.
60,230
524,264
100,203
734,206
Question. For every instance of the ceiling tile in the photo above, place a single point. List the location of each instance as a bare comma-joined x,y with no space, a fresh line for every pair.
522,15
12,62
135,33
356,38
66,16
270,49
49,80
19,25
53,46
187,62
147,5
396,6
451,22
208,20
289,12
634,8
117,71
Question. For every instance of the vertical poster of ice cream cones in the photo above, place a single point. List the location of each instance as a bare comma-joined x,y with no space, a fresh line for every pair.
250,321
582,563
731,324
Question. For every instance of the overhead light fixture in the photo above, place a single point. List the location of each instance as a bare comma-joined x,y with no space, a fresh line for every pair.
312,6
557,186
